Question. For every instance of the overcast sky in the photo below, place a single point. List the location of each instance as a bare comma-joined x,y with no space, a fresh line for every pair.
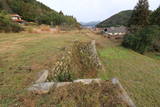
94,10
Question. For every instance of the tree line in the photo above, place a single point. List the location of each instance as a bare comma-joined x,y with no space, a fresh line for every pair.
32,11
144,29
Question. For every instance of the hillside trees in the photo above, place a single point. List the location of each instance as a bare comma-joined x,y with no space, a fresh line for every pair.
61,13
118,19
140,14
32,10
6,25
155,17
144,35
143,40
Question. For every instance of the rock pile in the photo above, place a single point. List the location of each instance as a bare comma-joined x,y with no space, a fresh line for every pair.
45,87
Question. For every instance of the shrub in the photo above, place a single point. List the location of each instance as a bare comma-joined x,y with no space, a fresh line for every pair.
143,40
155,17
6,25
140,14
64,77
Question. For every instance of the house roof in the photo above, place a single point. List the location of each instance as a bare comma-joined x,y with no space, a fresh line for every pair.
18,18
120,29
15,15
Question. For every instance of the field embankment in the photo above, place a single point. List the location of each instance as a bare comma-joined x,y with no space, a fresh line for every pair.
22,55
139,74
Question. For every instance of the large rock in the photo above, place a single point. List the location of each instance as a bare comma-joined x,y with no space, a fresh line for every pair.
45,87
42,76
87,81
41,88
61,84
123,95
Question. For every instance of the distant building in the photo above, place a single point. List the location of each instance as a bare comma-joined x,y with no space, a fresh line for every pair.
16,18
122,30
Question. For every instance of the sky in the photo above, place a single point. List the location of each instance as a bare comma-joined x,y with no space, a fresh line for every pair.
94,10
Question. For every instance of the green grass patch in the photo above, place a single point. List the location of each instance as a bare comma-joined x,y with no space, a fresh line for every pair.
139,74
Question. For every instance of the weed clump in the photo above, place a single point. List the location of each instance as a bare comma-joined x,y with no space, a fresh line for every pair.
103,94
78,61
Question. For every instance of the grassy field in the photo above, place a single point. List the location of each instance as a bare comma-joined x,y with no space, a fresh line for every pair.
22,55
139,74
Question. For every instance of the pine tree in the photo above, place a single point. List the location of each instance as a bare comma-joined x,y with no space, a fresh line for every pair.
155,17
140,15
61,13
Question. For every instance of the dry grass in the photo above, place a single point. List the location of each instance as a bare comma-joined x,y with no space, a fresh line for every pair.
45,28
103,94
139,74
28,50
42,29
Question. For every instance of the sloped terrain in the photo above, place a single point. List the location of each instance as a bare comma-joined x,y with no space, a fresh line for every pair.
139,74
32,10
22,55
119,19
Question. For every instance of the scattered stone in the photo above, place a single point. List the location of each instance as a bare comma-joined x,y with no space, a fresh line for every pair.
41,88
42,76
61,84
87,81
45,87
123,95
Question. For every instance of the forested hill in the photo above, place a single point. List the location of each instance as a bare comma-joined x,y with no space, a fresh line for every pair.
117,20
32,10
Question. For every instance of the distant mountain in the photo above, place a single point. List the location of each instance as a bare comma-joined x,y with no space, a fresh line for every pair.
32,10
90,24
119,19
